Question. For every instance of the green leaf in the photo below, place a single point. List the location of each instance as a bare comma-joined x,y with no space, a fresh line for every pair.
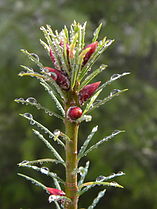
38,106
96,200
33,57
116,92
91,76
50,91
96,33
114,184
83,173
46,130
105,139
113,78
86,142
56,154
37,183
102,46
44,171
92,100
40,161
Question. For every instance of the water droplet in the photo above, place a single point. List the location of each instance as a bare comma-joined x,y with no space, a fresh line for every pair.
115,91
28,115
50,113
32,122
120,173
115,76
88,118
35,55
115,132
31,100
46,111
53,198
24,162
50,136
44,170
57,132
100,178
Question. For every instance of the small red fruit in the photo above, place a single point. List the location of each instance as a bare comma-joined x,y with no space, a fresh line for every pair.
60,78
74,113
92,49
53,191
88,91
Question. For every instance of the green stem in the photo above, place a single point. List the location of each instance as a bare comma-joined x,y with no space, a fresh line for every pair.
71,189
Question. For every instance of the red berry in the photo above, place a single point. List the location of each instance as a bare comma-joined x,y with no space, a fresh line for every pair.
88,91
74,113
92,49
53,191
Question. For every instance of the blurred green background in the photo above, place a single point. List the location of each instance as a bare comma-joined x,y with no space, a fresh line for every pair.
133,25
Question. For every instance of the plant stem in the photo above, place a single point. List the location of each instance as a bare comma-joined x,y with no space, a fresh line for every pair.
71,129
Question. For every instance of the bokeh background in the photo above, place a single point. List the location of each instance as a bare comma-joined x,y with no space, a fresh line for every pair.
133,26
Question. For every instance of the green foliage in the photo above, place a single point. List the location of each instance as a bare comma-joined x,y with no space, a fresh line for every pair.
133,26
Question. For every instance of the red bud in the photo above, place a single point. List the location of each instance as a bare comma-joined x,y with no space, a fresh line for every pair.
52,55
88,91
92,49
60,78
74,113
53,191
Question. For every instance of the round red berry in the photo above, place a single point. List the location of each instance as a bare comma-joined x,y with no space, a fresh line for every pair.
74,113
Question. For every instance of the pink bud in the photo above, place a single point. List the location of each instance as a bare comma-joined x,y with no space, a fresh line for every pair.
92,49
74,113
60,78
52,55
53,191
88,91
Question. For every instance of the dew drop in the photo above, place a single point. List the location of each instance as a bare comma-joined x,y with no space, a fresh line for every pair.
24,162
115,132
28,115
44,170
115,91
120,173
50,113
50,136
57,132
31,100
32,122
115,76
35,55
100,178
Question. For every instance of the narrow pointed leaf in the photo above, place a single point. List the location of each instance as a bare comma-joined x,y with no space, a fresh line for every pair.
46,172
37,183
92,100
38,106
92,75
59,106
105,139
96,33
113,78
40,161
34,122
33,57
102,46
84,173
96,200
84,146
49,146
112,95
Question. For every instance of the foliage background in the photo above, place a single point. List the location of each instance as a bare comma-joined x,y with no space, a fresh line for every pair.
133,25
